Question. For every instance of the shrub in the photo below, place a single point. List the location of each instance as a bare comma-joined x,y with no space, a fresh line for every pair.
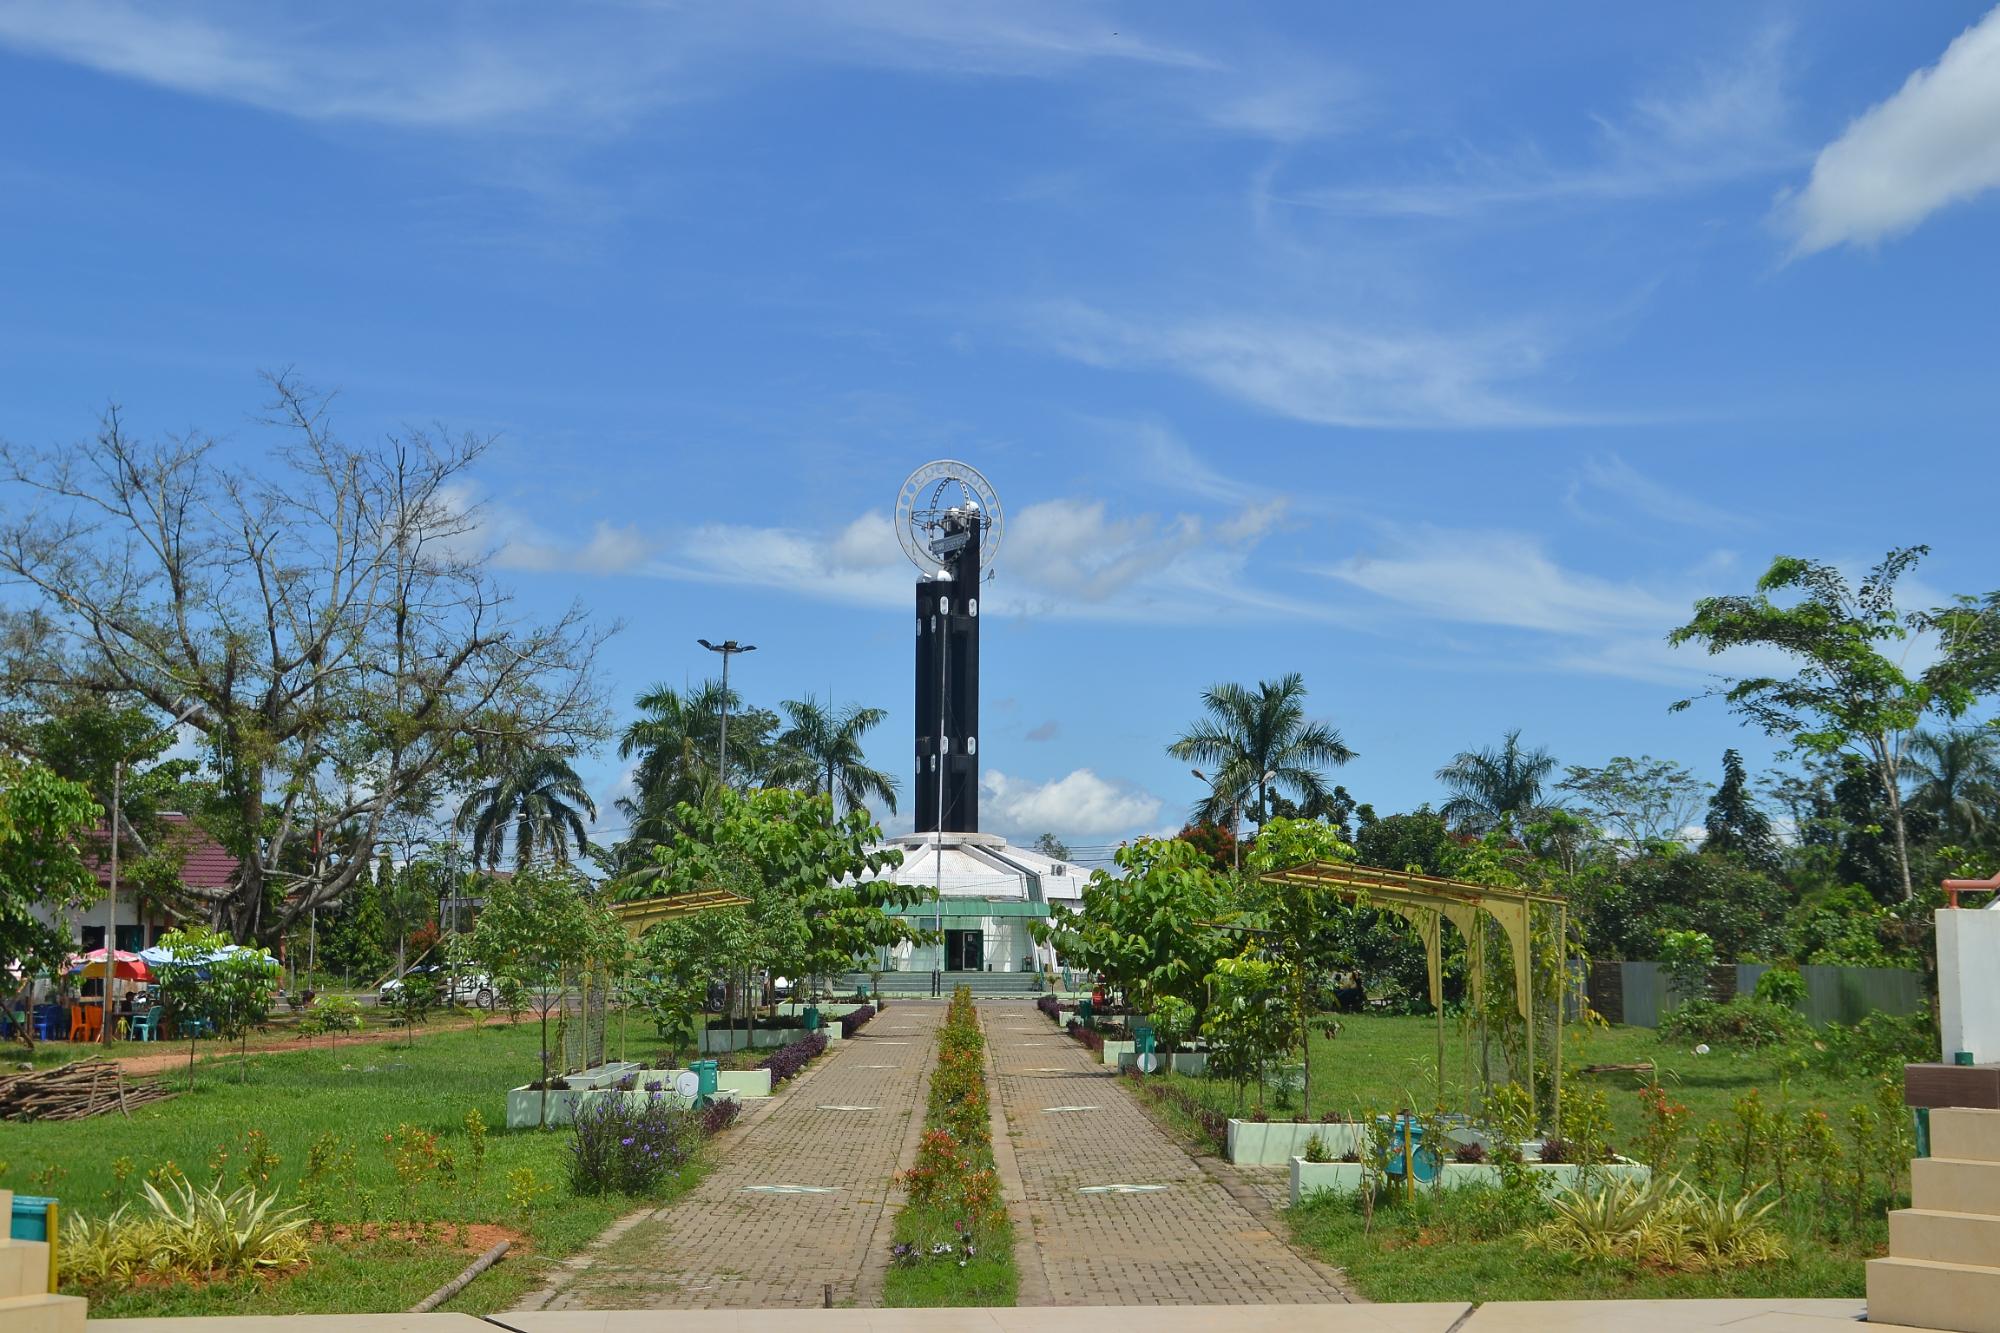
786,1062
1687,955
186,1233
1050,1007
331,1014
1665,1224
1782,986
719,1114
1557,1151
1471,1154
626,1145
1738,1022
854,1020
1317,1149
1880,1043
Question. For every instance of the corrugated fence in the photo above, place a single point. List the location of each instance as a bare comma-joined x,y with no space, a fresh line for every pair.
1638,993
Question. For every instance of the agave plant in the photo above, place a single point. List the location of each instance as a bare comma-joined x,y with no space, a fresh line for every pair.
1601,1221
1730,1232
206,1230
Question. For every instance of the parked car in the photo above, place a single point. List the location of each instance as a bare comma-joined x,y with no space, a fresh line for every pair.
473,988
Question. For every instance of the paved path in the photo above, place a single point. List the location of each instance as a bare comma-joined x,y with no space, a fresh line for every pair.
1184,1241
728,1243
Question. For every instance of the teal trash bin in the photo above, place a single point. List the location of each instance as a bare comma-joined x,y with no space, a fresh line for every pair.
34,1218
812,1018
705,1080
1086,1013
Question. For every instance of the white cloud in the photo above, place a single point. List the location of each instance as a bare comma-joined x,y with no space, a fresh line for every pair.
1728,119
528,66
1077,804
1500,578
516,541
1321,370
1614,477
1935,142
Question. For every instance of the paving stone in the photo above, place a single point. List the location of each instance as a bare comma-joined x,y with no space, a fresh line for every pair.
1190,1243
727,1243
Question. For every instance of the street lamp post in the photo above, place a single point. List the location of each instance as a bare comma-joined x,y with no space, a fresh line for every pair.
1235,815
728,648
111,898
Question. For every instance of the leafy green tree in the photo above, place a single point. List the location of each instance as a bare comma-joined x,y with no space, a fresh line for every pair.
1736,825
544,926
676,961
1055,848
318,603
1687,956
352,936
1638,801
536,801
829,740
411,1002
1497,789
1149,928
1738,907
1249,1021
1848,693
1295,924
820,899
226,986
1253,742
43,823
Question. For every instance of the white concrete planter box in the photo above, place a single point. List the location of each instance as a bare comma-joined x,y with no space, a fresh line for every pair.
746,1083
602,1076
1114,1049
1275,1142
715,1041
524,1105
1185,1062
1310,1178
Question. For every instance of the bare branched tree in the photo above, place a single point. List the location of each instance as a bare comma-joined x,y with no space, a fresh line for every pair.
331,616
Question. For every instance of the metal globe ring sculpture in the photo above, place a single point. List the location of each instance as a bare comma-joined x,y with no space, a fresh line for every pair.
944,488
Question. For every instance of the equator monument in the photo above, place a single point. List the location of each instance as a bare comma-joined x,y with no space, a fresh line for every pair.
990,893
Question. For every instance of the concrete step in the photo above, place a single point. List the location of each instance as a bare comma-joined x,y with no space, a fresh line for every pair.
1955,1185
24,1267
1951,1238
1966,1134
1920,1293
42,1314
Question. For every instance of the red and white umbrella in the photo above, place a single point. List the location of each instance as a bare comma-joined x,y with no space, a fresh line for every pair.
124,966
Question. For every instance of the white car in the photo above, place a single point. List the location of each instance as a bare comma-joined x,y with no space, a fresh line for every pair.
473,988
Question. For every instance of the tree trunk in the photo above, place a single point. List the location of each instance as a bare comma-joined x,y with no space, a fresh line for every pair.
1887,769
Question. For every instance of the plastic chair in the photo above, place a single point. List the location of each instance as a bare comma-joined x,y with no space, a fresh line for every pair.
48,1021
86,1023
144,1026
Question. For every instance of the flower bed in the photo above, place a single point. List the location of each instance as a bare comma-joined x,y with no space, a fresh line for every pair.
856,1019
953,1242
786,1062
1051,1008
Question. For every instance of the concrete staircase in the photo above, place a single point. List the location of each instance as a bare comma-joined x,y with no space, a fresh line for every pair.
986,985
1943,1269
26,1305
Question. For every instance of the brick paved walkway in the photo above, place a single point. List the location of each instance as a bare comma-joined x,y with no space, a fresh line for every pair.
724,1244
1187,1244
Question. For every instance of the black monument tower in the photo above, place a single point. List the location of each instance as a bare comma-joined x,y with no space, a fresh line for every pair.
950,526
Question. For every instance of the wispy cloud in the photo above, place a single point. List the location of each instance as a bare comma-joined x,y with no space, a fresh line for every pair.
1499,578
531,67
1728,119
1934,143
1613,477
1323,371
1078,803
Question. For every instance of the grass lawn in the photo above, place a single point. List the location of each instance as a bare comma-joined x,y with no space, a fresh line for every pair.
362,1093
1380,1063
1466,1245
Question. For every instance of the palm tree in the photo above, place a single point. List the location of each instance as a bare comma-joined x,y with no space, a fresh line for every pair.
1958,778
1254,741
829,740
537,798
675,740
1497,789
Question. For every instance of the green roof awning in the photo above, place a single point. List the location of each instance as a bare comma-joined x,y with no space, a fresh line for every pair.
960,908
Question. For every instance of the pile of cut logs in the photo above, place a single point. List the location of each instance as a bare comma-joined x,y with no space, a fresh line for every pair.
74,1092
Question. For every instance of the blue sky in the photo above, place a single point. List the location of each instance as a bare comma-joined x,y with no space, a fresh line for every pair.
1443,353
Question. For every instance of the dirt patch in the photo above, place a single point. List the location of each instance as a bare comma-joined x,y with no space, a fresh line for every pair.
166,1062
479,1236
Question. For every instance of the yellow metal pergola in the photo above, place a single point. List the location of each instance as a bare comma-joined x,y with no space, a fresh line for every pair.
1427,901
639,914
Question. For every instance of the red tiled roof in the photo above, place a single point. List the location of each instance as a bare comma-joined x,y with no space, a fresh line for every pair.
206,867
